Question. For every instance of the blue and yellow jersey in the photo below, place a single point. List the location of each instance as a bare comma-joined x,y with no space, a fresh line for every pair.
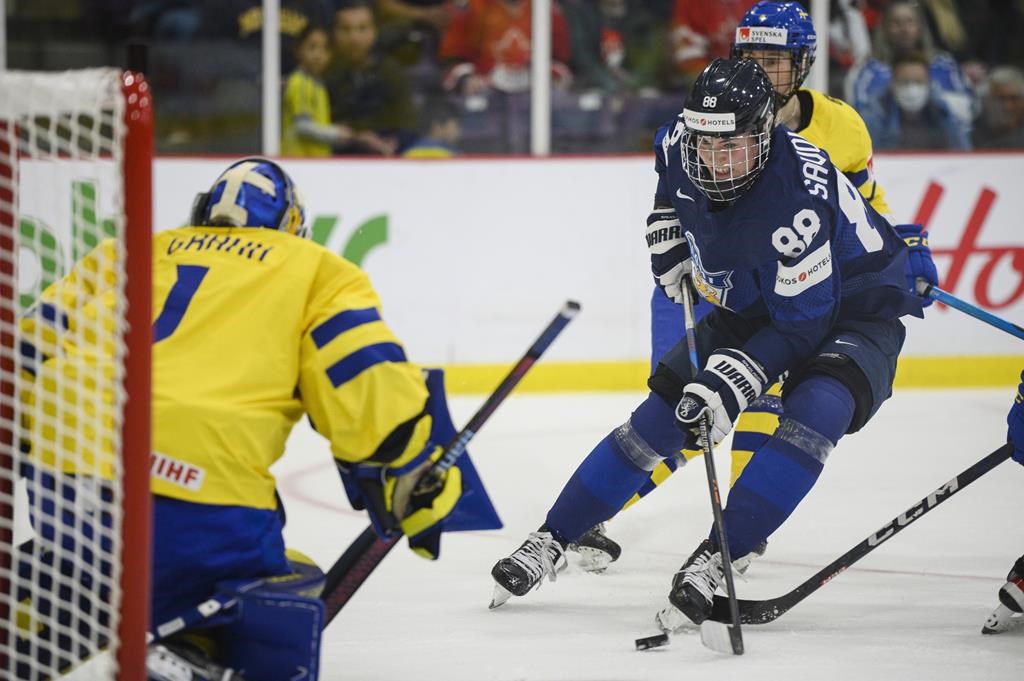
836,127
254,328
304,97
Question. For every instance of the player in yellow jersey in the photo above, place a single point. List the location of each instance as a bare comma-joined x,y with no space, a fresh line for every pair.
255,326
781,38
306,128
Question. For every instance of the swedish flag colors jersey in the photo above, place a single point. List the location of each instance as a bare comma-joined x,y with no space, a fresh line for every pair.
304,97
252,329
835,126
797,253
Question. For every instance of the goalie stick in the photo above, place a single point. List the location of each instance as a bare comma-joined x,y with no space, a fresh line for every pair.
762,612
363,556
712,634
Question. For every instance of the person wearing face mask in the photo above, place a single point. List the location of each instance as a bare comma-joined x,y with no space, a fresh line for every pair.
910,115
904,32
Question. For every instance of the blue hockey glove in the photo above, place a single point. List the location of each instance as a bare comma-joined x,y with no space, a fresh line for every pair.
728,384
670,252
1015,421
919,261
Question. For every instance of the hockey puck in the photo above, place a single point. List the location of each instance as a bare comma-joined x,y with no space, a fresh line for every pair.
655,641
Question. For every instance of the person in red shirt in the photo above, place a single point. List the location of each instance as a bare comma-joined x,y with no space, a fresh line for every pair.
487,45
703,30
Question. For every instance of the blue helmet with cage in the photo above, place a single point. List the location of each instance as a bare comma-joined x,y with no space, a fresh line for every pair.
252,192
779,26
729,118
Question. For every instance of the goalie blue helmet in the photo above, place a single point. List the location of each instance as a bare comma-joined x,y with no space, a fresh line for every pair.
252,192
729,117
778,27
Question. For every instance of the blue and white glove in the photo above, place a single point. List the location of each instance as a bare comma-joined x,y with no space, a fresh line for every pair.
1015,420
670,252
728,384
919,261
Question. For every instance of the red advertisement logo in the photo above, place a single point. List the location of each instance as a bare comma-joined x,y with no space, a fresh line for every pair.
986,293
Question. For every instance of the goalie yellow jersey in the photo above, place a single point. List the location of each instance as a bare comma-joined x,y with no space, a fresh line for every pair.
252,329
836,127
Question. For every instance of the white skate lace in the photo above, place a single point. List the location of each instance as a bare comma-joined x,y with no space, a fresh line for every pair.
704,574
535,556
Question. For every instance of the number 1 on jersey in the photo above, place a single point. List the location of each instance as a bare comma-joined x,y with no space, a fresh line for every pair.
178,299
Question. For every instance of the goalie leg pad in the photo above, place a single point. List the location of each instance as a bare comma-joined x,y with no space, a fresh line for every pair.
274,630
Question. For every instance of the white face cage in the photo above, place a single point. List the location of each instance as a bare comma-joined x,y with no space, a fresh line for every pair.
724,167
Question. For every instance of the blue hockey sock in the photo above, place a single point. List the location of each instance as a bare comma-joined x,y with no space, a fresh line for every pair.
614,470
785,468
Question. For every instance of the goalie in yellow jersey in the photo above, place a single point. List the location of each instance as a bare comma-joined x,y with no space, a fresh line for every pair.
255,326
781,38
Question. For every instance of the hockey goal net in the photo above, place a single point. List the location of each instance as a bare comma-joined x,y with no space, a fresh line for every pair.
75,207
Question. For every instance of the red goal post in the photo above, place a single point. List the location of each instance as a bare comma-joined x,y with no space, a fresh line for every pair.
76,152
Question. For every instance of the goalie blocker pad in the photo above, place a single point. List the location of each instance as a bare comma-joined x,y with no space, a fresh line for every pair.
474,510
272,629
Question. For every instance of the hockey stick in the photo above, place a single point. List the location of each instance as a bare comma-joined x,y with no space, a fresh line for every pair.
762,612
364,555
712,634
926,290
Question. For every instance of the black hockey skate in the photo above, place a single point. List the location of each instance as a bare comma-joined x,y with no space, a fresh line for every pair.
181,661
596,550
1009,614
540,556
693,588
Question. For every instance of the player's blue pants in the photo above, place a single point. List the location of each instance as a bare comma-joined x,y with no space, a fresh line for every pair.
195,546
835,391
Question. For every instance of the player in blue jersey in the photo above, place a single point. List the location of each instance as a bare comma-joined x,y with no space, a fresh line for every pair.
1009,614
782,39
807,281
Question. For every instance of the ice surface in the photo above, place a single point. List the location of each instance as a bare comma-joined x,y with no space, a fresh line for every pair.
912,610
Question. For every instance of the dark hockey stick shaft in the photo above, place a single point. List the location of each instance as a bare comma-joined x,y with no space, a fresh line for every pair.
762,612
363,556
926,290
735,632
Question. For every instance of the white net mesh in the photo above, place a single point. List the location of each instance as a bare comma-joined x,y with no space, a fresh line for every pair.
62,308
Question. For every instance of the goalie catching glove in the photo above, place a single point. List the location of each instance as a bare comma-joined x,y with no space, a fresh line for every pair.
724,389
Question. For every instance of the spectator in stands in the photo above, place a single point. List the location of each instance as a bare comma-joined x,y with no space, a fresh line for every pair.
703,30
849,41
439,131
911,114
369,94
306,111
615,45
487,45
410,32
903,31
1001,124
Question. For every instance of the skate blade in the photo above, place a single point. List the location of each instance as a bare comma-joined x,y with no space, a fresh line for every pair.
593,560
1002,620
499,597
715,635
671,620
